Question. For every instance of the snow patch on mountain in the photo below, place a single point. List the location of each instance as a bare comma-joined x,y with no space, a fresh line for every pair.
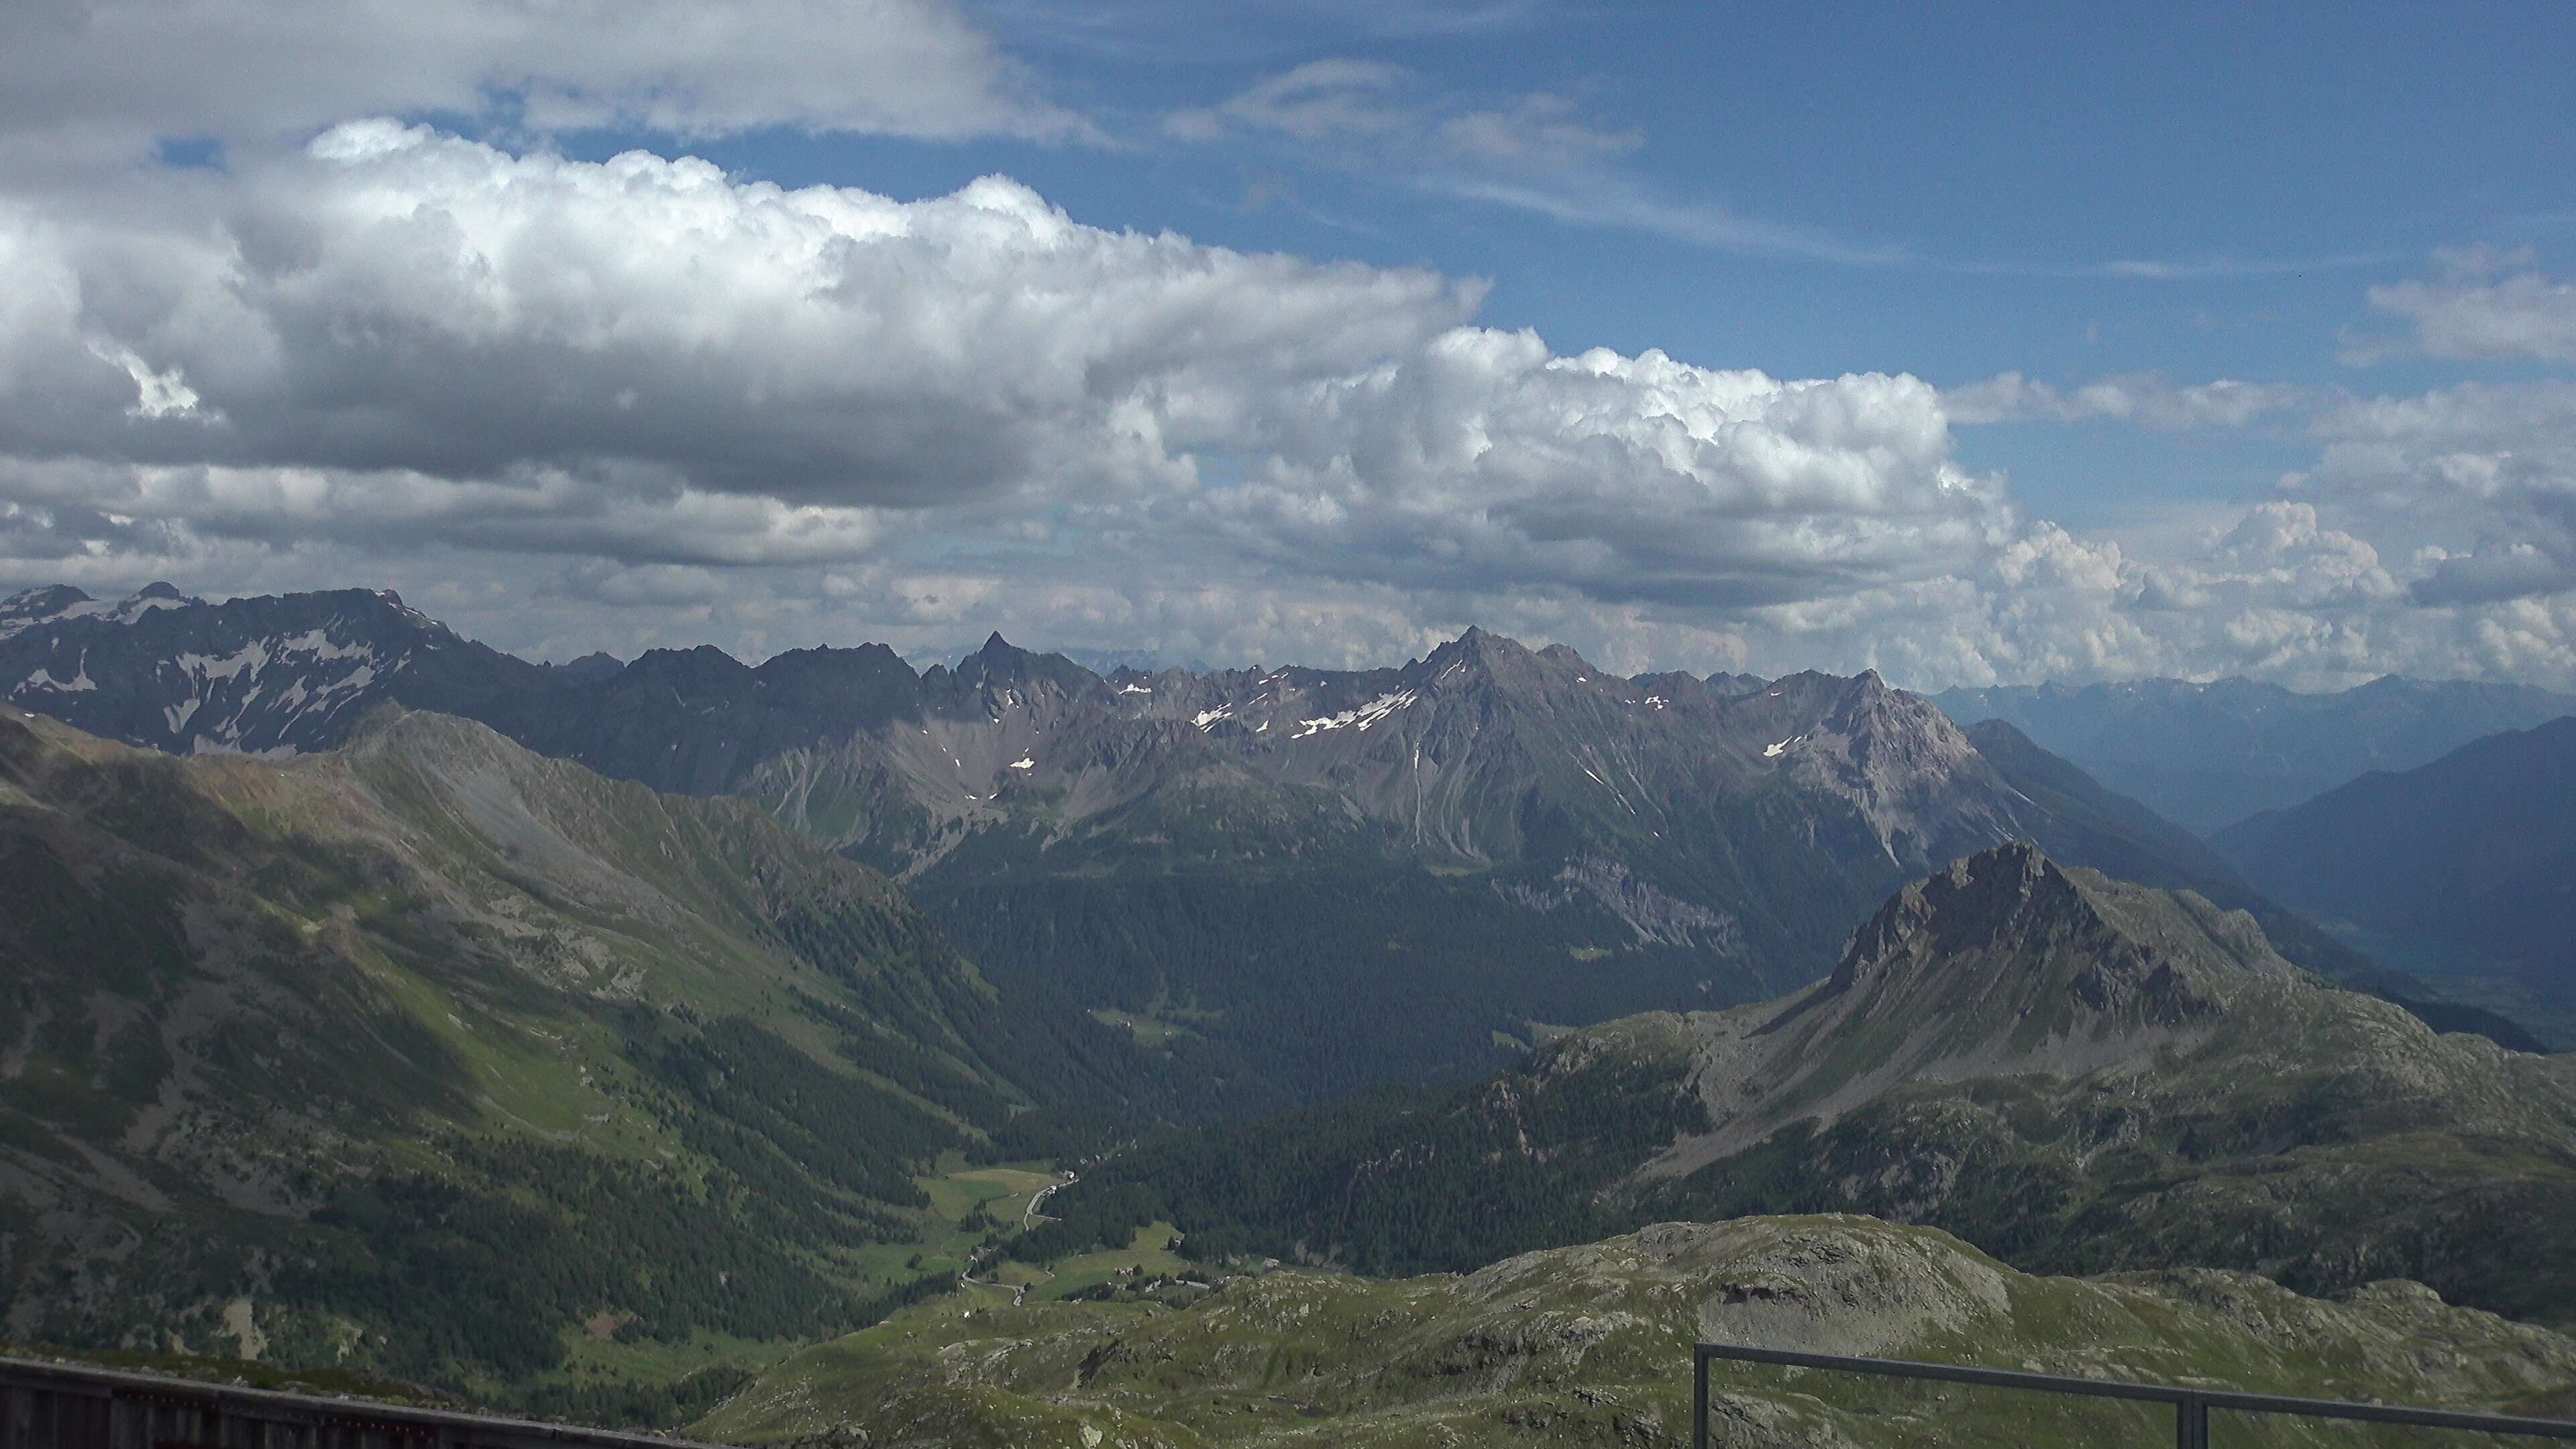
79,683
36,608
1360,718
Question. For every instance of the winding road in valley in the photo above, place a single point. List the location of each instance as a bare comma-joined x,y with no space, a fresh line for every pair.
1030,1217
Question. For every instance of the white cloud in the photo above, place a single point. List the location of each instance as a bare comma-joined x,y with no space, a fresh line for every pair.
656,519
2486,472
1489,458
638,401
1535,131
2278,593
2485,304
90,80
402,338
1383,113
1535,152
398,302
1596,199
2012,398
1322,100
645,360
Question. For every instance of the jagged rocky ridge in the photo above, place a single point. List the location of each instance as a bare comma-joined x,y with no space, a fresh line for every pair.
274,677
2070,1072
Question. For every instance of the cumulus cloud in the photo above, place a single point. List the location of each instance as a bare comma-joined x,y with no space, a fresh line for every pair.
2485,470
1488,457
84,81
708,409
2483,304
647,360
394,301
2278,592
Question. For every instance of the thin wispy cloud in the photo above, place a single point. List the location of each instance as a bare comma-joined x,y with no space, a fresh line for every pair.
2143,399
1253,31
2177,269
1536,152
1627,208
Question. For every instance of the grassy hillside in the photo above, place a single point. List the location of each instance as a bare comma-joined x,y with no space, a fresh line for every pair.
1591,1344
439,1059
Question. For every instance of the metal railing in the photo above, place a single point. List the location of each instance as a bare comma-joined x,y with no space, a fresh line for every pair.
2191,1406
45,1405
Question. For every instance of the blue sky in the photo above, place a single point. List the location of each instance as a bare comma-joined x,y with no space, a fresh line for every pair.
2066,191
2195,340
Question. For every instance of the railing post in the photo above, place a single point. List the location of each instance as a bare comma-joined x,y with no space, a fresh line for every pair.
2191,1423
1699,1400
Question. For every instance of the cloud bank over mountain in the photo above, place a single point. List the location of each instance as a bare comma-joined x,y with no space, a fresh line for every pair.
574,403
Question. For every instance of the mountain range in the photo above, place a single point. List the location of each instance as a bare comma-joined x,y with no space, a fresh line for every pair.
1312,879
2464,868
593,1037
2209,755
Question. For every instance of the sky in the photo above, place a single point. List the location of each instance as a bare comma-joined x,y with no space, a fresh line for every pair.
1976,345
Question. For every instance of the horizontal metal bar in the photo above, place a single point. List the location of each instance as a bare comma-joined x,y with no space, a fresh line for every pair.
43,1377
2146,1393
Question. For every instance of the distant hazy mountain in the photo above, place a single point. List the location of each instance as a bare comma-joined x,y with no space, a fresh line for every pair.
420,1056
2072,1073
2207,755
2466,865
1592,1345
1311,879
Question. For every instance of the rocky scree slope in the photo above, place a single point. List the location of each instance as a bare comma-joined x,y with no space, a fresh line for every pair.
420,1055
1591,1344
2073,1073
